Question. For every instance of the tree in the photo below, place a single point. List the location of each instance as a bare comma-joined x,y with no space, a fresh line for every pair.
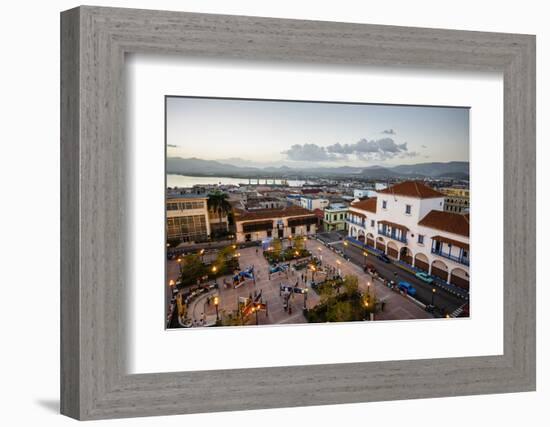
299,243
218,203
341,311
224,255
192,268
326,292
277,248
351,284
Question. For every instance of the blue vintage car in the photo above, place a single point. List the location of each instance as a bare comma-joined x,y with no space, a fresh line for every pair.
407,287
425,277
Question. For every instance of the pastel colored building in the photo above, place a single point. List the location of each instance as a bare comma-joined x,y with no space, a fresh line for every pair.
335,217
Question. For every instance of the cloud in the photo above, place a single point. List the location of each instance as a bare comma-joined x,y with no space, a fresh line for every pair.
379,149
409,154
172,145
423,146
308,152
388,132
364,149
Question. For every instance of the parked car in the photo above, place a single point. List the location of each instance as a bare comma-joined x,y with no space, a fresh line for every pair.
369,268
383,258
408,288
425,277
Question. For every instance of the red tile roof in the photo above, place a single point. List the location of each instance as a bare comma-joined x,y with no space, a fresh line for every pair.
366,205
241,215
447,221
319,213
415,189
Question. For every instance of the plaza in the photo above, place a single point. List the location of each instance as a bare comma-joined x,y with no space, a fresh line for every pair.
222,301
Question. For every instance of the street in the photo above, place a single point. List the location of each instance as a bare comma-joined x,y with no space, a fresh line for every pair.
441,299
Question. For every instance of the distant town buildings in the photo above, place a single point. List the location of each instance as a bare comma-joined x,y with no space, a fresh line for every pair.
264,202
456,200
408,223
311,202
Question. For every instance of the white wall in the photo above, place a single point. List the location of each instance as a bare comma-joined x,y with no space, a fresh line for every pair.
30,157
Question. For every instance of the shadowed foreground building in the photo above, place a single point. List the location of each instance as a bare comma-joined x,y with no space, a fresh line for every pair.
258,225
187,217
189,220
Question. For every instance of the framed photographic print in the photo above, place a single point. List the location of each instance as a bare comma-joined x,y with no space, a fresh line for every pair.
344,211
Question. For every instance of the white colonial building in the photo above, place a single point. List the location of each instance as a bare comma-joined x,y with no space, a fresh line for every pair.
407,222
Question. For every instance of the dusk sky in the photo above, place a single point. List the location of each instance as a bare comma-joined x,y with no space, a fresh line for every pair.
301,134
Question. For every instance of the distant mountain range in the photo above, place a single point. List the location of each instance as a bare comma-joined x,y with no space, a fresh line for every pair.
199,167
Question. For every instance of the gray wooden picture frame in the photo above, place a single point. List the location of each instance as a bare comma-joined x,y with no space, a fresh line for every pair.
94,41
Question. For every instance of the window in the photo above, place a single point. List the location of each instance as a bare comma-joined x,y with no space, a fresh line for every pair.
268,233
293,230
420,239
408,209
384,204
372,222
341,216
308,228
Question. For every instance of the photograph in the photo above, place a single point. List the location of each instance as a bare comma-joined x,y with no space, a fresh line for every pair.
282,212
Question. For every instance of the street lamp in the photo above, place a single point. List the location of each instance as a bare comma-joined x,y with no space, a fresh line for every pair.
216,303
214,269
171,282
433,294
365,254
306,290
179,264
201,253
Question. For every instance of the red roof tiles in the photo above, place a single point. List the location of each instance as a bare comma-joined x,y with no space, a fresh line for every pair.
241,215
447,221
366,205
415,189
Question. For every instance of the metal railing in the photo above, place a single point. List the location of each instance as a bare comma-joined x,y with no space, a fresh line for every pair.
392,236
360,223
460,260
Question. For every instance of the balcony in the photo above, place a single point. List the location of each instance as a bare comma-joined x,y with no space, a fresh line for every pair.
359,223
461,260
392,235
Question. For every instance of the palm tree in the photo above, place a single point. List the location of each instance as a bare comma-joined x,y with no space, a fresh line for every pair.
218,203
